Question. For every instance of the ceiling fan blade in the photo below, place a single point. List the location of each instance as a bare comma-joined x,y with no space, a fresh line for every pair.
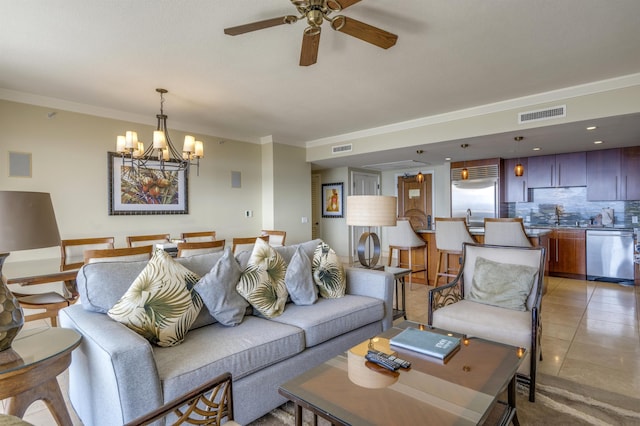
365,32
343,3
241,29
310,44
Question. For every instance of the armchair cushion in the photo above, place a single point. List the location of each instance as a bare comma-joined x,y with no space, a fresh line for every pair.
160,305
502,284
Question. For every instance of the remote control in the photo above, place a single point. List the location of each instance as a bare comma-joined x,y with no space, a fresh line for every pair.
403,363
382,361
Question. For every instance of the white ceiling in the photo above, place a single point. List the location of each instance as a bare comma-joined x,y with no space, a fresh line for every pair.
107,58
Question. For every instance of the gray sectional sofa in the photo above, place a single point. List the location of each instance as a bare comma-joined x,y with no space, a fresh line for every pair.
116,375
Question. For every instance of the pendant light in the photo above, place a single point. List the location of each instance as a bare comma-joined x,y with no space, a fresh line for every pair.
420,176
464,174
518,170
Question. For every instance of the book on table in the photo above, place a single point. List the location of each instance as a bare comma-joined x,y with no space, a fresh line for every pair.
426,342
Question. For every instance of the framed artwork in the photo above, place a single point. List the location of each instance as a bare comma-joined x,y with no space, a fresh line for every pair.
148,190
332,200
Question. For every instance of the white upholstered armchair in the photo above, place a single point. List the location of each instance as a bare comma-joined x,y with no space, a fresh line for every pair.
497,296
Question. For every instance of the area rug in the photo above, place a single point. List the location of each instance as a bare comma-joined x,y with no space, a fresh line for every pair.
558,402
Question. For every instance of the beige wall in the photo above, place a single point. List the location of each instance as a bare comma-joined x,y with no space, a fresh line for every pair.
69,158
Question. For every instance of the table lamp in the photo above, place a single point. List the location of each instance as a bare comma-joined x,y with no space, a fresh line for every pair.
370,211
27,221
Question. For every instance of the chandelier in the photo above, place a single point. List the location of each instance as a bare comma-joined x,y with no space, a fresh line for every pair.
161,154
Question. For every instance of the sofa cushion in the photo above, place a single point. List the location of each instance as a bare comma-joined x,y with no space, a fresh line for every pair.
328,272
262,281
308,247
101,285
488,322
328,318
251,346
299,279
218,291
501,284
160,305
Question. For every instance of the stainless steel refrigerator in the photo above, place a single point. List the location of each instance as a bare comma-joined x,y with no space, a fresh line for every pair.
478,195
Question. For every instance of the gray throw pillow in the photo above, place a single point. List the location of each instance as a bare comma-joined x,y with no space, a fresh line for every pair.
299,279
218,291
502,284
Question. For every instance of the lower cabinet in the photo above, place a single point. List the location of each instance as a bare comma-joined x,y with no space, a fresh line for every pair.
567,253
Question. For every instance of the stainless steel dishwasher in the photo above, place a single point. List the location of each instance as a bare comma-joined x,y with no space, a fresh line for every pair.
610,255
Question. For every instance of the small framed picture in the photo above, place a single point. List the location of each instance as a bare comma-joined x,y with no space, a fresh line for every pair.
332,200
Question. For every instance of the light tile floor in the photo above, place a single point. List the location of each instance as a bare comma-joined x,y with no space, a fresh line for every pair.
590,335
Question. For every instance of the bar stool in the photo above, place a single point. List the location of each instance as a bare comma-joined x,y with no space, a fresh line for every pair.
505,231
451,232
403,237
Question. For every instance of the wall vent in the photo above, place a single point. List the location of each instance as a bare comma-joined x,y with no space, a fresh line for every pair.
339,149
542,114
476,172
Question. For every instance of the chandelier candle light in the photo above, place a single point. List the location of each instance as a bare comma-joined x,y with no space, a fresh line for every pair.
370,211
162,149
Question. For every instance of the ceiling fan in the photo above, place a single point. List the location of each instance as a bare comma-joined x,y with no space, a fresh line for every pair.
315,12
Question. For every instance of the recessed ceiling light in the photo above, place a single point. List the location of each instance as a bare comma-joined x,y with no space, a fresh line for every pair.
598,142
592,127
447,158
537,148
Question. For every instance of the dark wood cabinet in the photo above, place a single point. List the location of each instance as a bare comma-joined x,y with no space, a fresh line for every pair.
613,174
567,253
516,189
549,171
630,173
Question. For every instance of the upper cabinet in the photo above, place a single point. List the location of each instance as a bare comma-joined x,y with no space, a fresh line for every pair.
559,170
515,187
613,174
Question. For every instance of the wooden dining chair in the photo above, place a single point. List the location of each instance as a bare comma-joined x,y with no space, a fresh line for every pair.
246,243
118,254
276,238
202,247
197,237
72,251
147,240
51,302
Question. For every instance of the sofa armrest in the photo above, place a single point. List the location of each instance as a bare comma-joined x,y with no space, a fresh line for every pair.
113,376
378,284
442,296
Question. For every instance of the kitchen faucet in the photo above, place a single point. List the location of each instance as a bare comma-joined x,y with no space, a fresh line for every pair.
468,216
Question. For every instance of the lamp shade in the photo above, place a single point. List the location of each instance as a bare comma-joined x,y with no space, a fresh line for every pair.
27,221
371,210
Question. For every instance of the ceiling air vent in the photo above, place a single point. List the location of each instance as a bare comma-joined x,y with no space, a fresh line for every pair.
340,149
542,114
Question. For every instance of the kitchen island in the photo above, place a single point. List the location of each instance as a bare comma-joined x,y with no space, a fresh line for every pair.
537,237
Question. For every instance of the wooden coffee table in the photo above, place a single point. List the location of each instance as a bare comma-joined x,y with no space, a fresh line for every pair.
464,391
29,369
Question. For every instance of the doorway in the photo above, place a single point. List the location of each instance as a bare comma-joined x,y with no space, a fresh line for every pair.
415,200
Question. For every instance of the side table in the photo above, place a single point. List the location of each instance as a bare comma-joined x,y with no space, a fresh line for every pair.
399,274
29,369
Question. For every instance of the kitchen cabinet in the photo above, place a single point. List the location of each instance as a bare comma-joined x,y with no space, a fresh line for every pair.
613,174
549,171
567,253
515,187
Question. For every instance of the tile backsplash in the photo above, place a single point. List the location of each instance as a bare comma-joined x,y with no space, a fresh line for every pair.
571,205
